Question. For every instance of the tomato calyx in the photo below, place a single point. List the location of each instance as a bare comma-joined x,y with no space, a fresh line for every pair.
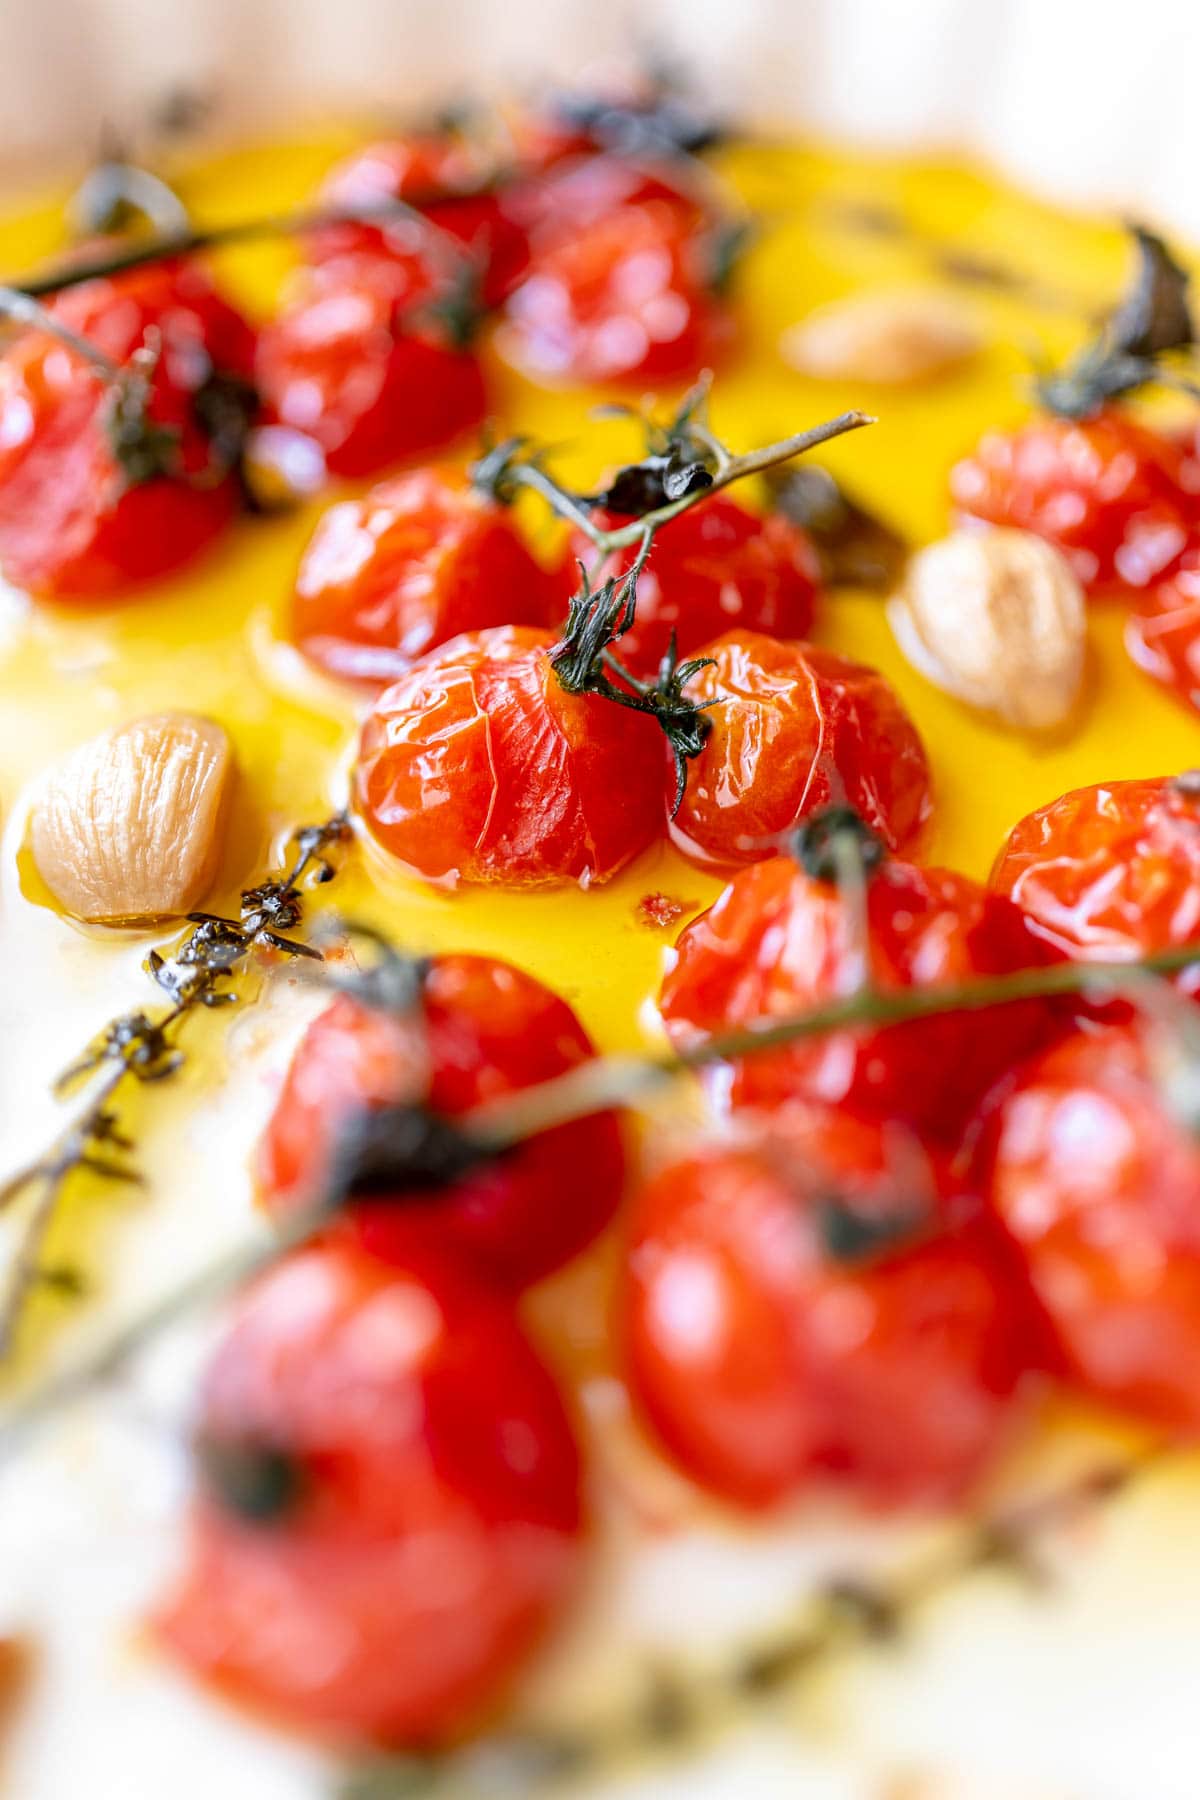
402,1150
1152,321
852,1237
833,841
260,1483
658,121
855,547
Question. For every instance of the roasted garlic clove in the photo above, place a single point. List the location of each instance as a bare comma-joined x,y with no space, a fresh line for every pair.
893,337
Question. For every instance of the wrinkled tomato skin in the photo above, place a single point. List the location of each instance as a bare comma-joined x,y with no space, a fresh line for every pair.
796,729
714,569
477,766
1109,873
71,527
1099,1187
437,1528
620,300
339,369
1115,497
777,942
763,1363
485,1029
416,561
1162,633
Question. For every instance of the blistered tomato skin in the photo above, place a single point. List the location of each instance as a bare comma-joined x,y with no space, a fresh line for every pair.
344,369
430,1529
777,942
1099,1186
1111,872
477,766
411,564
1117,498
714,569
483,1029
765,1362
796,729
72,525
1162,633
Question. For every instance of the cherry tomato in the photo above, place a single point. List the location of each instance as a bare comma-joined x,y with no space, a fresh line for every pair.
1111,872
477,765
716,568
389,1514
1112,494
589,189
815,1306
343,367
76,520
796,728
1162,633
779,941
1099,1184
622,299
483,1030
414,562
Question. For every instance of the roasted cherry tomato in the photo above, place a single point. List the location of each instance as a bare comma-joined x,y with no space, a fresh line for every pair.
445,177
779,941
1098,1180
414,562
101,489
623,299
1111,493
795,729
1109,873
482,1029
585,191
716,568
1162,633
478,765
388,1513
348,367
821,1305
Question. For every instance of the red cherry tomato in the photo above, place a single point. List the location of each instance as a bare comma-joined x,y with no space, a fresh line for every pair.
779,941
587,190
1109,873
620,300
405,1520
74,522
343,367
1162,633
813,1307
478,766
1099,1185
484,1030
414,562
716,568
1109,492
796,728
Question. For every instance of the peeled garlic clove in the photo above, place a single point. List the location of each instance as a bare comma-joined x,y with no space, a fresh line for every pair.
998,619
886,337
130,827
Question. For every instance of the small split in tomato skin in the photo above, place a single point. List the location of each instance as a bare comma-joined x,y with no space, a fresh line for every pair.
714,569
820,1305
481,1029
478,766
418,560
1097,1179
430,1528
796,728
778,940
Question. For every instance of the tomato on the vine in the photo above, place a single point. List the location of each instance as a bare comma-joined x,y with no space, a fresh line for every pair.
1111,872
388,1511
795,728
781,939
716,568
1097,1177
822,1304
105,485
479,1029
1162,632
416,561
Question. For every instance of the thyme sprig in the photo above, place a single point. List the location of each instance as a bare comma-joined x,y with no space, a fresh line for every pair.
139,1047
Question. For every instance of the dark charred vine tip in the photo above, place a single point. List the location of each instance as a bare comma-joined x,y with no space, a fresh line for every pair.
854,546
851,1237
394,1152
259,1482
658,479
394,982
822,842
142,448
